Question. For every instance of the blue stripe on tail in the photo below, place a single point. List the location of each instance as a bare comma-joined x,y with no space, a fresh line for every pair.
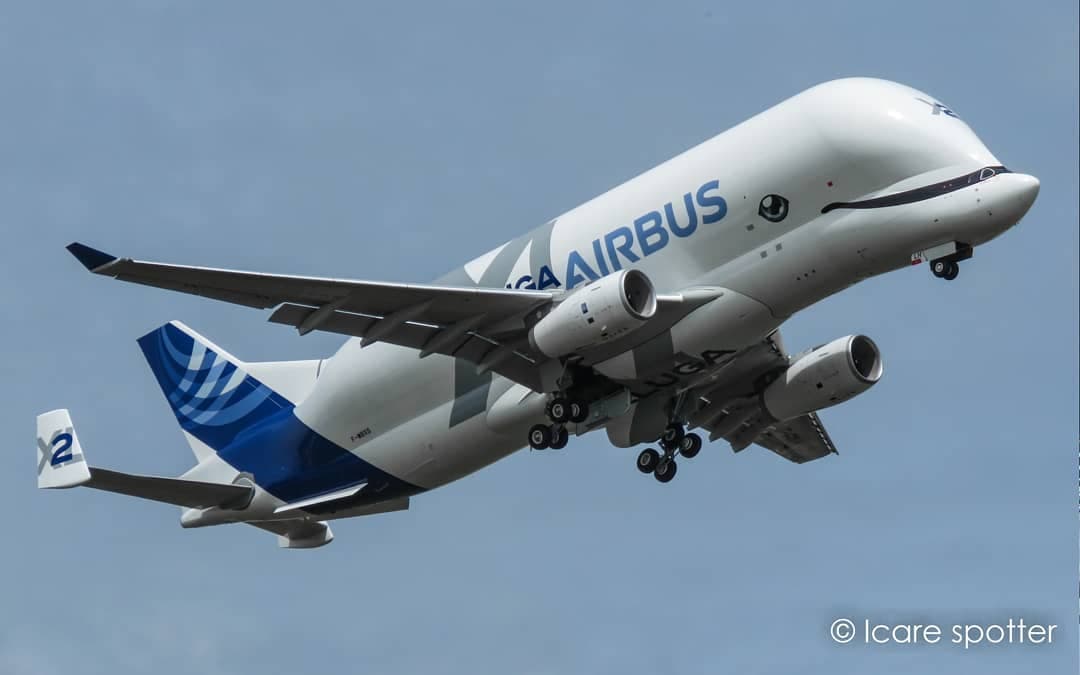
211,398
254,428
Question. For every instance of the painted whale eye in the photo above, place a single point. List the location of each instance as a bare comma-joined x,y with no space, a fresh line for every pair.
773,208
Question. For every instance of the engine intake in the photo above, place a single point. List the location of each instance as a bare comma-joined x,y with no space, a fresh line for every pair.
825,376
606,309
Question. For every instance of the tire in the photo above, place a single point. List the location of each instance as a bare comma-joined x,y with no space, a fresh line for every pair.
647,460
540,437
690,446
665,470
559,410
939,268
559,438
951,272
579,411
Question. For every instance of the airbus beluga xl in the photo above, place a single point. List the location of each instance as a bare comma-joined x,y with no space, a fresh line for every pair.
650,312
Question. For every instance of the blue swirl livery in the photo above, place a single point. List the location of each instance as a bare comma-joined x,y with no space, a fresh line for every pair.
252,427
211,396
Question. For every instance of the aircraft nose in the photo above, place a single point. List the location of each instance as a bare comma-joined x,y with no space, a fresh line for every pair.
1025,189
1017,192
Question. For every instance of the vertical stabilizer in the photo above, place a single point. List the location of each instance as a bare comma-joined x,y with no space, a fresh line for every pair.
210,391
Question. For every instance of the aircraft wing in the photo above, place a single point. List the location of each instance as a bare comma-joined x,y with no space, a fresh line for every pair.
412,302
487,326
800,440
730,408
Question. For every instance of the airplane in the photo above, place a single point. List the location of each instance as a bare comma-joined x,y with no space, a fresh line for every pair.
651,312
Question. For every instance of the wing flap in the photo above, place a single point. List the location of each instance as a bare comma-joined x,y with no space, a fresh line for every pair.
799,440
471,345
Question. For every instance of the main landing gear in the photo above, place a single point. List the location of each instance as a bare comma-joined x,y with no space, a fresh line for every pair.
560,410
674,440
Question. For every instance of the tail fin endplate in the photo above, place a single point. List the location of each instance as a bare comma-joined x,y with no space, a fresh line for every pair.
61,463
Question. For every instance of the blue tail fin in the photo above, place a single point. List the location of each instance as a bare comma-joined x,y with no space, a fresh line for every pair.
227,411
211,393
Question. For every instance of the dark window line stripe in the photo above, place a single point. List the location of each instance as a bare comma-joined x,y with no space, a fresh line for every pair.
920,194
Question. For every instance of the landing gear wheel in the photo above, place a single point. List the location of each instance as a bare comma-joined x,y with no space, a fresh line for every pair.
665,470
559,437
952,270
647,460
579,411
690,445
669,439
540,437
939,267
559,410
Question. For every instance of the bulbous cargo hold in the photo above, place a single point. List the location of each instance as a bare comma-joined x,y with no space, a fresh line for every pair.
823,377
606,309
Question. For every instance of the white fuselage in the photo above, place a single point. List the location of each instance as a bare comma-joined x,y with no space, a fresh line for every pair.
427,422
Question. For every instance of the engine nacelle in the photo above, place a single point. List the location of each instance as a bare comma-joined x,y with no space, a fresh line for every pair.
604,310
830,374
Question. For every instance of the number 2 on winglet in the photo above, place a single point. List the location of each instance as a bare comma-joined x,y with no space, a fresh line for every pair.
62,453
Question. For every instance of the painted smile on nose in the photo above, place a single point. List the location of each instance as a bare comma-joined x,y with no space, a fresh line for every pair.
920,194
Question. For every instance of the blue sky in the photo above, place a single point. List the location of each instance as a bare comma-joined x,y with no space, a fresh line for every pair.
395,141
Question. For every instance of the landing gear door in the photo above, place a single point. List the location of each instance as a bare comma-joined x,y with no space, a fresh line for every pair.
641,422
606,409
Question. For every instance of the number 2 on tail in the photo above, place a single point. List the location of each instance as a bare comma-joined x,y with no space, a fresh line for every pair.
62,452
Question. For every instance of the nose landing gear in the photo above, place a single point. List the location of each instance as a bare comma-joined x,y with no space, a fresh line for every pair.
945,259
673,441
945,269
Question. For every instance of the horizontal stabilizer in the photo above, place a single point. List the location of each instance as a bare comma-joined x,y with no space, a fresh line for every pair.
62,464
191,493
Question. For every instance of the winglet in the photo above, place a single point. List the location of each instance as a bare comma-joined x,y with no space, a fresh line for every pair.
60,457
91,258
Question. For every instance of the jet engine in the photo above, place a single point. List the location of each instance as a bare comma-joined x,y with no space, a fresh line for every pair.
606,309
823,377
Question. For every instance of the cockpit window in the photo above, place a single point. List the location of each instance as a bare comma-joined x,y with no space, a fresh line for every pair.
921,193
